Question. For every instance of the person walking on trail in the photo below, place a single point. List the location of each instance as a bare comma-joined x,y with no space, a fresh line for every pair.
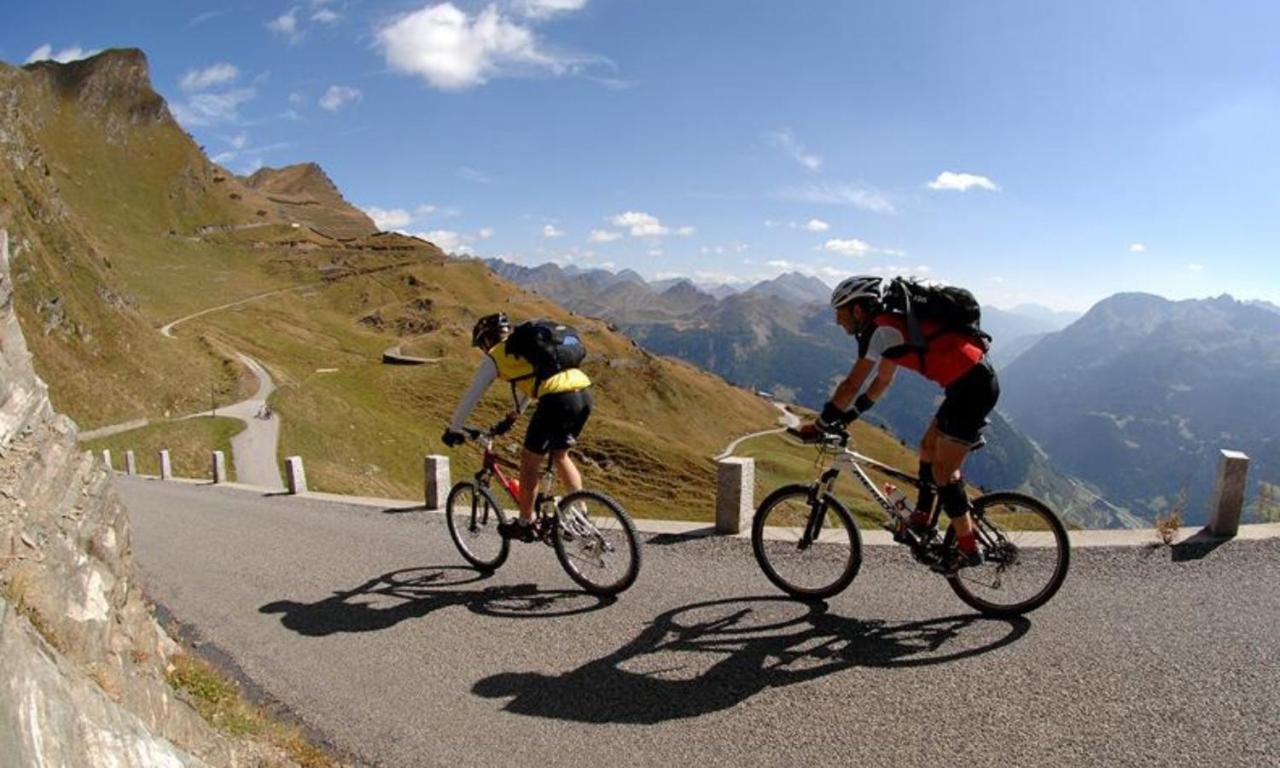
539,359
953,357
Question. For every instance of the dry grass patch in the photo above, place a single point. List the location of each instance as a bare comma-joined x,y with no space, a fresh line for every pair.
16,590
219,702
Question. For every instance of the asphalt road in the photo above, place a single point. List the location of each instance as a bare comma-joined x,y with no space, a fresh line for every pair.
366,625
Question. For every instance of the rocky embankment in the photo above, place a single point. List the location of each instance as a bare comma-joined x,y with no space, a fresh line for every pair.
82,660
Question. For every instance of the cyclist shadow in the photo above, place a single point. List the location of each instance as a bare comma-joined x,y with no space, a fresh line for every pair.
711,656
411,593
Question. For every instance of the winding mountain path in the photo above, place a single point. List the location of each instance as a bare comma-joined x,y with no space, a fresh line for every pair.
254,449
787,420
365,624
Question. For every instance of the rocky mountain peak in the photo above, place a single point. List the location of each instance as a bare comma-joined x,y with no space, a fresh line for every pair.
305,193
118,79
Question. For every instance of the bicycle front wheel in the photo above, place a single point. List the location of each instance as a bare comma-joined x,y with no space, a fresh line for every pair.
596,543
806,544
1025,552
473,517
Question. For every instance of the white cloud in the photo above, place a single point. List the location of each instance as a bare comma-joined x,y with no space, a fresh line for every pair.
781,264
212,108
851,195
339,96
550,231
388,218
655,252
640,224
789,144
1195,267
296,99
325,16
472,174
45,53
1138,248
961,182
448,240
425,209
286,26
541,9
771,224
485,233
893,270
222,158
602,236
850,247
453,51
686,231
240,140
209,77
817,225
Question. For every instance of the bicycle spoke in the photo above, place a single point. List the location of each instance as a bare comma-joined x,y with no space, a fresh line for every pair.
596,543
783,538
1025,556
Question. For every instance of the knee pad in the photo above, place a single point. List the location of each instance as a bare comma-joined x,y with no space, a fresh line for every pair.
955,502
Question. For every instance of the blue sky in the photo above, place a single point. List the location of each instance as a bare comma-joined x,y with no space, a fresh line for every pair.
1033,151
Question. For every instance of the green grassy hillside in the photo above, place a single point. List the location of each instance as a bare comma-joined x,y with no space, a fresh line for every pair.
122,225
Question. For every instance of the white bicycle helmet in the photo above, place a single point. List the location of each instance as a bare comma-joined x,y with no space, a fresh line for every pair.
860,287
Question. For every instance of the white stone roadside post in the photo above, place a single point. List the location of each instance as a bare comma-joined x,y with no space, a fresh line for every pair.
735,494
166,469
219,467
106,459
436,485
297,477
1228,494
130,463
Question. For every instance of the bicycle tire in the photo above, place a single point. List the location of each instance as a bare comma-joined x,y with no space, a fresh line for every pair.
777,557
584,541
482,545
984,586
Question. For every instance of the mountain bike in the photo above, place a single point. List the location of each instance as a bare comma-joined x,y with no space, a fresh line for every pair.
807,544
592,535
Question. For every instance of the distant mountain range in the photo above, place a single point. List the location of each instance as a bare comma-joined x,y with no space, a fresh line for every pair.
779,336
1140,394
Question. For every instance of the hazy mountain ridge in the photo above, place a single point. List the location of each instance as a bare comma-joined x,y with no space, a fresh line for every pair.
1141,393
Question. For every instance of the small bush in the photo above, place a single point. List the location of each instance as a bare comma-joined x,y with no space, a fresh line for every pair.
1167,524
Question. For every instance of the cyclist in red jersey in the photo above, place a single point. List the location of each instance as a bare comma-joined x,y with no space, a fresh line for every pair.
955,361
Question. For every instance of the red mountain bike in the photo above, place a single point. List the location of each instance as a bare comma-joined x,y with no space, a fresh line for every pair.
592,535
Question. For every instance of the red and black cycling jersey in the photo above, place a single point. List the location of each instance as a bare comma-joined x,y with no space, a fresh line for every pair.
947,355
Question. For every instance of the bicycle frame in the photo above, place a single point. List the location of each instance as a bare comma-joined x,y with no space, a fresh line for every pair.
492,465
847,459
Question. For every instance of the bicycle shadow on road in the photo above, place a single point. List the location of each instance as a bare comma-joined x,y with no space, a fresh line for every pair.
710,656
411,593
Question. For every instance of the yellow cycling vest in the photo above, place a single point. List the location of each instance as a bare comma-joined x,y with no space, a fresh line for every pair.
519,372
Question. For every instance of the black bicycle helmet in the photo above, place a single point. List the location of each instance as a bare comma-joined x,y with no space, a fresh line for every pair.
489,330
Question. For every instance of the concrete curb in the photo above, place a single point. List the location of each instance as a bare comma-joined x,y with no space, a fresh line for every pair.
1140,537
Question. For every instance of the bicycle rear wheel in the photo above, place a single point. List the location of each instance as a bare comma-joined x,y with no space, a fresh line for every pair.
782,533
596,543
473,516
1026,554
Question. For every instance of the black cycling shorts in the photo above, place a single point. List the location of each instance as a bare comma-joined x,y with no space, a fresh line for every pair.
557,421
968,400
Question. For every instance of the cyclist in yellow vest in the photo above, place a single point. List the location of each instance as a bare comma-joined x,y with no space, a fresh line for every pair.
564,405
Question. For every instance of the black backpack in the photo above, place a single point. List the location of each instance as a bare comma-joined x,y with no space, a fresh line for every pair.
951,308
549,346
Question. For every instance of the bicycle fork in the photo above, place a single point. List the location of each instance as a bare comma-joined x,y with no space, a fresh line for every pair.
817,492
